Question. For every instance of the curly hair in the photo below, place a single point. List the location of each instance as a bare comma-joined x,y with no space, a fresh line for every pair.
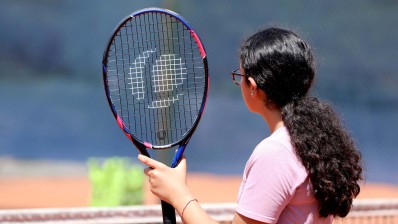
282,66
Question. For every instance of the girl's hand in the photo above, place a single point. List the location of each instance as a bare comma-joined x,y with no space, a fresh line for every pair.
169,184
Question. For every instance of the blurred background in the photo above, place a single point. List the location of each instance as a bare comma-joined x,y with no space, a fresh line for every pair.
53,106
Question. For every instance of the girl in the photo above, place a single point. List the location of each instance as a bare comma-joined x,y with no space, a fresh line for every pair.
306,171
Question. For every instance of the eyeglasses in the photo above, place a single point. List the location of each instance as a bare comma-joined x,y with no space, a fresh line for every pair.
237,77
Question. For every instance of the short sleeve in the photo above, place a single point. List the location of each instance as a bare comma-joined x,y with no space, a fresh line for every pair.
269,182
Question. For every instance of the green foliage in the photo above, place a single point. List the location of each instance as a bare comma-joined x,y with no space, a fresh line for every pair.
115,182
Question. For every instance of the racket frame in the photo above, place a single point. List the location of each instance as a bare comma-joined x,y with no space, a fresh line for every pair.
142,146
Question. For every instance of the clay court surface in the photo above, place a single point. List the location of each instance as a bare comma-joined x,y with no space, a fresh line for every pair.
74,191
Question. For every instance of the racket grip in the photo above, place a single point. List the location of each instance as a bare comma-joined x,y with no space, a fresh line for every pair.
168,212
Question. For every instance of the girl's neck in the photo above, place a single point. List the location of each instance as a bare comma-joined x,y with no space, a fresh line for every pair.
273,118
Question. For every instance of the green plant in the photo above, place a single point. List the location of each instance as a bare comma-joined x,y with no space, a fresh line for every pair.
115,182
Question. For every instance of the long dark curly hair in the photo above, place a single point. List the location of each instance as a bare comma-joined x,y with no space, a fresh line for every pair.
282,66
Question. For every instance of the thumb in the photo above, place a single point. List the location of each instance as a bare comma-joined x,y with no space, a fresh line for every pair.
182,165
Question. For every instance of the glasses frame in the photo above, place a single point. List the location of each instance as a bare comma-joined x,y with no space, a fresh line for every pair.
235,73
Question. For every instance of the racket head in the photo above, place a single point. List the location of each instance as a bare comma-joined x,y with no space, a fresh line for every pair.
156,78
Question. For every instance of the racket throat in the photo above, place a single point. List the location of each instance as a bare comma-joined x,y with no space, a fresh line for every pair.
178,155
142,148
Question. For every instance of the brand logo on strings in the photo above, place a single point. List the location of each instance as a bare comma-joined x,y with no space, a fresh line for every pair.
167,75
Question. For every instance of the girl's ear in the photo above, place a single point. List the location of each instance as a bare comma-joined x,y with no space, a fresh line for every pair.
252,86
255,91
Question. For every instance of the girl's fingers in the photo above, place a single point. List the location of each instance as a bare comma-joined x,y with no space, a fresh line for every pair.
150,162
146,171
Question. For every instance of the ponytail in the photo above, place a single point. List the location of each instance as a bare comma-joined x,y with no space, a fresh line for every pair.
326,151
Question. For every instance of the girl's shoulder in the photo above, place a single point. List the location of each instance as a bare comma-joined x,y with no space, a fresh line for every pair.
278,142
276,148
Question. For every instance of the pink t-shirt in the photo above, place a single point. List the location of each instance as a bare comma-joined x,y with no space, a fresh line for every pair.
275,186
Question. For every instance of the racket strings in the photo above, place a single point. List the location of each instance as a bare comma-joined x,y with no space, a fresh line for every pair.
156,77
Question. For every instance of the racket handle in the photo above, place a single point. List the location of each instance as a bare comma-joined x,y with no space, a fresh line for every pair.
168,212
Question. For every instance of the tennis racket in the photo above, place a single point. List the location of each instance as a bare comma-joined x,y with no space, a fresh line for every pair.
156,81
